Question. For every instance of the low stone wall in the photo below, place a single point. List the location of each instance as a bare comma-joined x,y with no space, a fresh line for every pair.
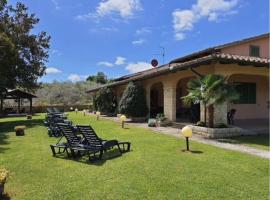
42,108
217,132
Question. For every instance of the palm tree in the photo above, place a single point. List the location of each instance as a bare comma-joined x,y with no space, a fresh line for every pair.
209,90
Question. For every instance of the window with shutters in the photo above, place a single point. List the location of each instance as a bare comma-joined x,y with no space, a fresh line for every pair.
254,51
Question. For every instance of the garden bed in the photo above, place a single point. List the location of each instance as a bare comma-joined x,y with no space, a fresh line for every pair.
217,132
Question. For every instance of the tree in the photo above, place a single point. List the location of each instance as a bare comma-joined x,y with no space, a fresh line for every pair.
105,100
23,53
99,78
209,90
133,101
64,93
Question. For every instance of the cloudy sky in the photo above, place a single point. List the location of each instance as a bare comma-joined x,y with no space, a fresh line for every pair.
120,37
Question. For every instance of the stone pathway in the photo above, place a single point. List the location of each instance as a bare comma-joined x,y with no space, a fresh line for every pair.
177,133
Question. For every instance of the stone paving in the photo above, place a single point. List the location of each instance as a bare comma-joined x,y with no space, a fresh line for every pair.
177,133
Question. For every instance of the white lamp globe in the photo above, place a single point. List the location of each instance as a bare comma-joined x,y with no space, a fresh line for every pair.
123,118
187,131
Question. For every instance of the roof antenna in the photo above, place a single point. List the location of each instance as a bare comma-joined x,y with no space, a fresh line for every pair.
161,54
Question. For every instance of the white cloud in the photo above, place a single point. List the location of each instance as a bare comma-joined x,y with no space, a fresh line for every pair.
76,77
109,29
105,63
143,30
56,4
138,42
179,36
184,20
52,70
120,60
56,52
214,7
137,67
124,8
103,29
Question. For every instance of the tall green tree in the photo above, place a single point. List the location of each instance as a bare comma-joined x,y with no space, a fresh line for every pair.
100,78
105,101
23,53
209,90
133,102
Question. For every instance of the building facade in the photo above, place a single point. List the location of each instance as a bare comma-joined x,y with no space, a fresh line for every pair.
245,63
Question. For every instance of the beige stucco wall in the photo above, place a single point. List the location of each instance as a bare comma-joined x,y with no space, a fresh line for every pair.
170,81
243,49
253,111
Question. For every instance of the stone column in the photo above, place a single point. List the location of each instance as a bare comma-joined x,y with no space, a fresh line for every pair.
202,113
220,113
170,101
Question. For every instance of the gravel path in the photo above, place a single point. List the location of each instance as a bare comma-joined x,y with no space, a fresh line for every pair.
177,133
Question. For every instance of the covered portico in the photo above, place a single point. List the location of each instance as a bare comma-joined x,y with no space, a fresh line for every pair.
238,69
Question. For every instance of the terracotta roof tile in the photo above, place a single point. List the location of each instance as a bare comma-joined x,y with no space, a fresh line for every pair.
227,58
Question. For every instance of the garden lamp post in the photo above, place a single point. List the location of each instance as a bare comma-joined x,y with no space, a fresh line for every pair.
98,115
76,110
123,118
84,112
187,132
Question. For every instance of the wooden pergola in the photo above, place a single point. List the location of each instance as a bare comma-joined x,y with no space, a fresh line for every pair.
17,95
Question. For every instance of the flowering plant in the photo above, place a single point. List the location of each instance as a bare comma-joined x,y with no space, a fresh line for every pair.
3,175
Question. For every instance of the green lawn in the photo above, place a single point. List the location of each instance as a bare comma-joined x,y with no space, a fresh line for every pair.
156,168
257,141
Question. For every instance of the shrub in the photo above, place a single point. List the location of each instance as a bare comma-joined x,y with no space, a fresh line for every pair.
221,125
160,117
3,175
200,123
105,100
133,101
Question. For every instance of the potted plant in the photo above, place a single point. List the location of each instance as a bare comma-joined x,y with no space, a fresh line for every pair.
3,179
159,119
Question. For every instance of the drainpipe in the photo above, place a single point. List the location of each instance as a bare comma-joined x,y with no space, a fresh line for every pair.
196,73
